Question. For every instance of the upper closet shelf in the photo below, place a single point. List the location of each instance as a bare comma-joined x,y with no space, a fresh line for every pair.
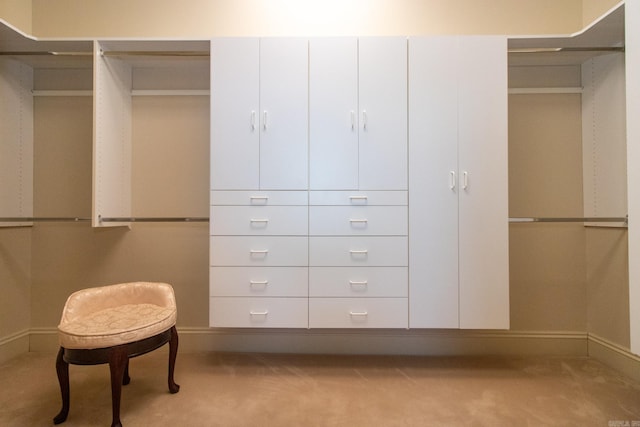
604,36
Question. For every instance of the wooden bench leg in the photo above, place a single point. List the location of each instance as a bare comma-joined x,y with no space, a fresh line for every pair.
173,352
118,360
62,369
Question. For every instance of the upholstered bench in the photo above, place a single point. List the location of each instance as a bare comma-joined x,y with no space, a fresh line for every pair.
111,324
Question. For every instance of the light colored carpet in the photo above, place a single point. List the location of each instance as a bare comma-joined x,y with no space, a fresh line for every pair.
228,389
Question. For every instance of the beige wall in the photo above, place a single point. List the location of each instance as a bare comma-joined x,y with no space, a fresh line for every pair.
17,13
207,18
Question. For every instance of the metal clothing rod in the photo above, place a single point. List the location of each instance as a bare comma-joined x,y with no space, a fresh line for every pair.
566,49
155,219
187,53
571,219
45,53
44,219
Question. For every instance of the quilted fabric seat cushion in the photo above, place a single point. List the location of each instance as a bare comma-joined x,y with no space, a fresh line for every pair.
116,314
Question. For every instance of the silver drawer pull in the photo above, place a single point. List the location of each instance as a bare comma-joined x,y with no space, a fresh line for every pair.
358,313
252,220
259,251
358,251
358,220
358,282
358,199
262,199
258,282
258,313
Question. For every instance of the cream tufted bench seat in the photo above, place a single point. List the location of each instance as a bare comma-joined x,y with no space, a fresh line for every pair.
111,324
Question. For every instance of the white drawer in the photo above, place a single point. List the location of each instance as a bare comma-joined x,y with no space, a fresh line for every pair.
259,220
358,220
358,251
358,313
258,281
259,198
258,251
258,312
358,282
358,198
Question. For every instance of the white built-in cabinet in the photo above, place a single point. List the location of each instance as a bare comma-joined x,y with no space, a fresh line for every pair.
403,219
458,211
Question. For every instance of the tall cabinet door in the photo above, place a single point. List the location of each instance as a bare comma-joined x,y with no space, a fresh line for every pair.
284,113
333,113
433,182
484,242
383,113
235,79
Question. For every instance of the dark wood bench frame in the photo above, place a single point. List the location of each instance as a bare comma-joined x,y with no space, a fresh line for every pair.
118,359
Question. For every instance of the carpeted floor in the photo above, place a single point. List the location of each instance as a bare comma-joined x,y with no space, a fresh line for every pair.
228,389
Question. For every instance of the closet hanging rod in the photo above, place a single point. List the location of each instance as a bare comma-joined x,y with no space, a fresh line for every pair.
155,219
180,53
44,53
565,49
44,219
570,219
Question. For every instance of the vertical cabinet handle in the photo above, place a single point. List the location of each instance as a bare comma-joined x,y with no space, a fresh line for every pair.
452,180
253,120
353,120
264,119
364,119
465,180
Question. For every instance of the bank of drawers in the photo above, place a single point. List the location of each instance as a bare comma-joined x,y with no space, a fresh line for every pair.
259,259
358,257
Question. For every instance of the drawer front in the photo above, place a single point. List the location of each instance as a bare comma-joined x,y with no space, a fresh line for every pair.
358,282
259,198
258,281
358,220
358,198
259,220
358,313
358,251
259,251
258,312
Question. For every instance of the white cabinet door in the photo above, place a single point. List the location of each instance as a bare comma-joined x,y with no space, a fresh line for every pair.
484,243
235,77
284,107
382,81
458,217
433,179
259,97
333,113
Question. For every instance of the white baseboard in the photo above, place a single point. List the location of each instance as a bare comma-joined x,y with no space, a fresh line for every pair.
619,358
13,345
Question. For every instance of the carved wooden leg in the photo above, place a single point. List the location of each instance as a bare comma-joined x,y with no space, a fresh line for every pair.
126,379
117,363
173,352
62,369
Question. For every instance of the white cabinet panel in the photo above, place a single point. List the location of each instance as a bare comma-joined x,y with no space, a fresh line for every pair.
235,82
358,281
358,220
333,113
259,198
258,312
283,113
259,220
434,183
358,198
358,251
484,243
458,163
259,281
258,251
383,113
358,313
